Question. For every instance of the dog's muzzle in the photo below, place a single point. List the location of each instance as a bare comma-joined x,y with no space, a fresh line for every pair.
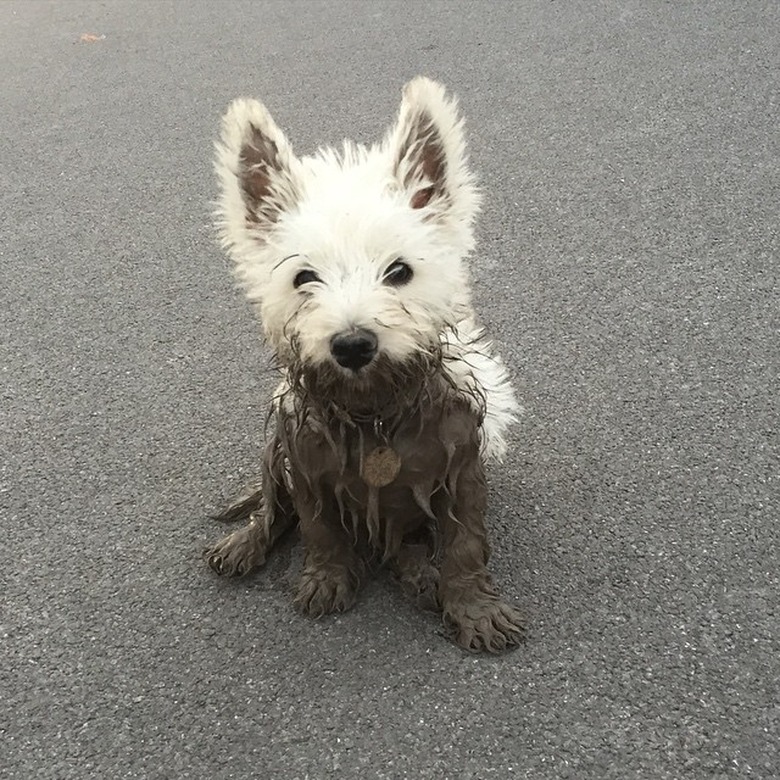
354,348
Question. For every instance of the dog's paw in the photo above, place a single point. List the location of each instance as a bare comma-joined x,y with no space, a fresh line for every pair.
237,554
325,590
487,624
417,575
422,587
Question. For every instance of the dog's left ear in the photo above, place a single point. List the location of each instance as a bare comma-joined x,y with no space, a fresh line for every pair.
429,153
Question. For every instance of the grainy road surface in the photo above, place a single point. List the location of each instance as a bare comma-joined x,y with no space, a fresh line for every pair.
628,268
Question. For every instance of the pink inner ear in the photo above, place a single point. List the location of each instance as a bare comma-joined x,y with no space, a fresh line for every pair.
422,198
258,157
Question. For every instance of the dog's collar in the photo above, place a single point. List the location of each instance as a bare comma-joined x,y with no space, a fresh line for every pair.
382,430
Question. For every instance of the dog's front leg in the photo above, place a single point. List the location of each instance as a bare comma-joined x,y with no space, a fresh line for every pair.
332,569
469,600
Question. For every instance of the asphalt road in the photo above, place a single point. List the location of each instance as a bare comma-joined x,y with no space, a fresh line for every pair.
628,268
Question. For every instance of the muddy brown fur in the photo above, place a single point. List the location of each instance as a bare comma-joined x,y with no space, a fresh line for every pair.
428,524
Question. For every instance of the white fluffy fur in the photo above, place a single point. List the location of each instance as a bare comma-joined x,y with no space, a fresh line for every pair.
347,216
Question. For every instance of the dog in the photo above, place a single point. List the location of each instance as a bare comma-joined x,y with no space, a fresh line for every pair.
392,399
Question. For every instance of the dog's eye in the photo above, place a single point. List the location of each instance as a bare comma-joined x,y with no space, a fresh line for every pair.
304,277
397,274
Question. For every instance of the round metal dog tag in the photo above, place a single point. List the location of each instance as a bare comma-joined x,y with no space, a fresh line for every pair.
381,467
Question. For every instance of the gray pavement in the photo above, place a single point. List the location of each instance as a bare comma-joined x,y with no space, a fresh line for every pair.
628,267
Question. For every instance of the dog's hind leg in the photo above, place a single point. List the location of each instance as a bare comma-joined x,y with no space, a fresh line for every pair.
246,549
270,511
249,500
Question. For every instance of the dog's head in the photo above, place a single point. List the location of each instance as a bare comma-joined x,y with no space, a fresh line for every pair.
355,259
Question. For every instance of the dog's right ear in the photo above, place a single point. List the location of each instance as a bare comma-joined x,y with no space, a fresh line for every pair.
258,173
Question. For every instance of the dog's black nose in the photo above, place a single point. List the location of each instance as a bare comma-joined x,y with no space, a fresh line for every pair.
354,349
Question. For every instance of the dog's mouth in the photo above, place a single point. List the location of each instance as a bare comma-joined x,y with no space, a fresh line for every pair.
361,385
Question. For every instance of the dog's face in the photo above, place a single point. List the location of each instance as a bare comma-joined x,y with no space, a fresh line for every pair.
354,259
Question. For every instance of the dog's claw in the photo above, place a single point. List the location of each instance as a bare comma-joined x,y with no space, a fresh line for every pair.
491,626
237,554
325,590
423,589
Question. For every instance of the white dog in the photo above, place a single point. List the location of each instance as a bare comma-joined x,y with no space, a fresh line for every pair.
391,399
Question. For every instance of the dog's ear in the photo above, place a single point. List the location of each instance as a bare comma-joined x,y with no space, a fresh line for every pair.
257,171
429,154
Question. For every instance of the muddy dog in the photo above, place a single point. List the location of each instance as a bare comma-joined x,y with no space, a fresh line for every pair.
392,400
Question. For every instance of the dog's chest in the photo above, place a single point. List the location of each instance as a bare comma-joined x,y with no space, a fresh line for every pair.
400,465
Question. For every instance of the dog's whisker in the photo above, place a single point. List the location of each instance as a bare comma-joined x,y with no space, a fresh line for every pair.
284,260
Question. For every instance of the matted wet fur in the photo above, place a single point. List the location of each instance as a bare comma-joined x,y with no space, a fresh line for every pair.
378,453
